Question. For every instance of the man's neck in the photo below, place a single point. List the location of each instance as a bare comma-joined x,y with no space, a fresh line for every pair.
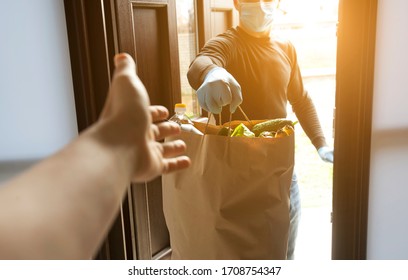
264,34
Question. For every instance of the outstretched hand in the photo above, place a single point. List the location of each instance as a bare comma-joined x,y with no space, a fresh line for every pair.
139,126
63,207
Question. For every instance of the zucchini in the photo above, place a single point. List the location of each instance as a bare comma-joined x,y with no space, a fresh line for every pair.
271,125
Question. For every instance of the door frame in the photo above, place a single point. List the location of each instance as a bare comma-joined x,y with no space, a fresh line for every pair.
353,124
91,36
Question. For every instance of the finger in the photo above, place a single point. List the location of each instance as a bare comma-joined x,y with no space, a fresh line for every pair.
175,164
224,95
213,107
201,93
165,129
214,101
221,96
159,113
236,95
173,148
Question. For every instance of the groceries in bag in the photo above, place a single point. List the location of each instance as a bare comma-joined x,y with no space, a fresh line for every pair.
183,120
273,128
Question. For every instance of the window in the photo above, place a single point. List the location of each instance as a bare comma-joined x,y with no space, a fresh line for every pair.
187,39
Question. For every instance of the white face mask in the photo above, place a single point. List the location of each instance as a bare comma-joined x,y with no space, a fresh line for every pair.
257,17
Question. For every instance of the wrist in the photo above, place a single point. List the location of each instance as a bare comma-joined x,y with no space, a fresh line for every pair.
211,70
121,149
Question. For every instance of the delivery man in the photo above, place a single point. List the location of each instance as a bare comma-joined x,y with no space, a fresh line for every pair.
249,64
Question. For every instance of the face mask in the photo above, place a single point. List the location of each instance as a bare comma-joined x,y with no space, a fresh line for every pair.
257,17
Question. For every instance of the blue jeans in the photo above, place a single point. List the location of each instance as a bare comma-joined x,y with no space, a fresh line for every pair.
294,214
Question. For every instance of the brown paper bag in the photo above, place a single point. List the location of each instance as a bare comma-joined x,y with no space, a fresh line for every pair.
233,202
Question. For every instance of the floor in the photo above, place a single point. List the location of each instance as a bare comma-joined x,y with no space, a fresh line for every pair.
314,237
315,177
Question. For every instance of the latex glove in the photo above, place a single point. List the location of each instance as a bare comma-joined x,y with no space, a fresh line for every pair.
326,154
219,89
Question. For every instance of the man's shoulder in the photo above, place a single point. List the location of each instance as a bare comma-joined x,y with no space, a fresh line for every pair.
230,33
227,38
281,42
284,44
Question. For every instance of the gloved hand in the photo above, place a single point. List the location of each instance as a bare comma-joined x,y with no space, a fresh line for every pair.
326,154
219,89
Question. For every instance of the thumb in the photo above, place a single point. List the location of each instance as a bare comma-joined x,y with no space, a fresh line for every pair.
126,93
123,62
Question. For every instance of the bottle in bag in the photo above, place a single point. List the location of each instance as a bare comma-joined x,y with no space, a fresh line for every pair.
183,120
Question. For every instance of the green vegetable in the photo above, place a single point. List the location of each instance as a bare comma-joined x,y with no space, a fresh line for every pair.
271,125
242,131
224,131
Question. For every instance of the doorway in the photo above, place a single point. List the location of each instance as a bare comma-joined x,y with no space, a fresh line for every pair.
312,27
354,90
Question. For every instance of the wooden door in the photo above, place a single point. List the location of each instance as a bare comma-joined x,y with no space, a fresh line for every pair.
91,36
215,17
223,16
147,30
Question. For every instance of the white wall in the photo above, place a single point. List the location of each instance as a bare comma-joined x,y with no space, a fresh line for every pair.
388,201
37,113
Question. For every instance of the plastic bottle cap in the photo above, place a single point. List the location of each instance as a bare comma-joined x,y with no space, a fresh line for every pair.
180,108
180,105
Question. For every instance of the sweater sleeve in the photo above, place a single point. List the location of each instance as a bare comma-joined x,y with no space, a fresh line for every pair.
216,52
302,103
199,68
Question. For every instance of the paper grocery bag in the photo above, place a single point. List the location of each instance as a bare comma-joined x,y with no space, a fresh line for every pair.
233,202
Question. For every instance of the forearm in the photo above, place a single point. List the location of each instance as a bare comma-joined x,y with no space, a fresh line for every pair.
310,123
67,202
63,207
